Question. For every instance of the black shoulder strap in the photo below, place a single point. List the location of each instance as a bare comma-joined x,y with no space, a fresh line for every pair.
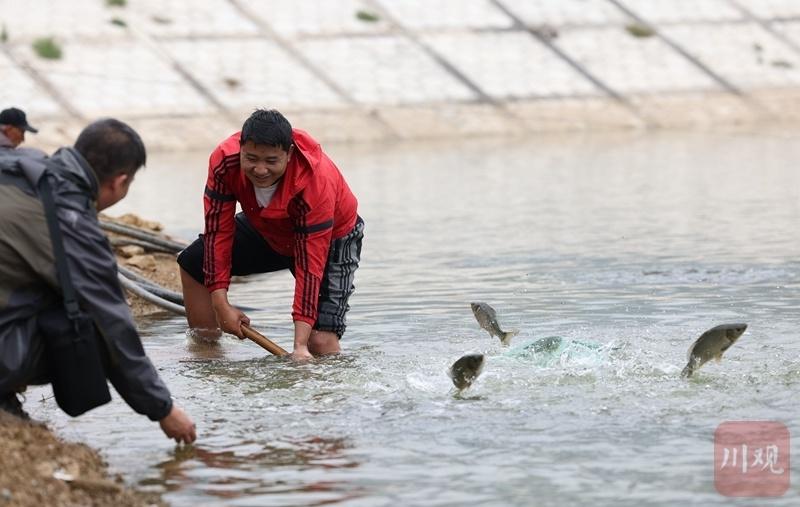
68,291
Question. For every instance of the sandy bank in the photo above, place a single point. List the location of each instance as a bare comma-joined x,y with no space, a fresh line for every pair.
39,469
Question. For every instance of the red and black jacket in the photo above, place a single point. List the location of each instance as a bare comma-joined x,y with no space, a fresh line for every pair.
311,207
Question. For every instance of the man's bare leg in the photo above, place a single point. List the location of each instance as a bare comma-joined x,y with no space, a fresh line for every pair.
322,343
199,312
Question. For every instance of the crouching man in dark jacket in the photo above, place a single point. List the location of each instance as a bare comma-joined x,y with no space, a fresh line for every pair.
47,336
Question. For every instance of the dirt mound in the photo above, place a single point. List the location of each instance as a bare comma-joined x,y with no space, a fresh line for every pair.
39,470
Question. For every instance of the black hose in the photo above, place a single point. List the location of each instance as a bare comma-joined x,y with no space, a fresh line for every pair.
163,292
173,246
150,297
150,286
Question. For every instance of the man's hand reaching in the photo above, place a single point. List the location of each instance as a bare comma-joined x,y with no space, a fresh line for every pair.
179,426
229,318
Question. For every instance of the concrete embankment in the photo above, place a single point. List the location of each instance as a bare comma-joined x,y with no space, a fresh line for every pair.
186,73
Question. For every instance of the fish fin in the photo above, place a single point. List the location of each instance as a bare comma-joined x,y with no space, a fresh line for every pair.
691,366
506,338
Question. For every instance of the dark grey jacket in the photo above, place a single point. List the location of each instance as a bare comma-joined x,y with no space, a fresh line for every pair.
29,282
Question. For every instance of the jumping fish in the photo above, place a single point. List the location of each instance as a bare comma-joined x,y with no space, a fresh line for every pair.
466,369
487,318
711,345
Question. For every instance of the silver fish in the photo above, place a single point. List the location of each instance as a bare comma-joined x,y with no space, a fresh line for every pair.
711,345
466,369
487,318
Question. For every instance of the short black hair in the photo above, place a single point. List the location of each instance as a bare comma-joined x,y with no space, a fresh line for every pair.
267,126
111,147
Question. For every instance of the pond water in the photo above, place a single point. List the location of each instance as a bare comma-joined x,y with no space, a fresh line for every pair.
638,242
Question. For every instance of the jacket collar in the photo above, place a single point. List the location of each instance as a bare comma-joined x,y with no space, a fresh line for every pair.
77,170
309,155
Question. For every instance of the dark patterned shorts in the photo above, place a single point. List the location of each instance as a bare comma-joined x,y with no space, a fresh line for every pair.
252,254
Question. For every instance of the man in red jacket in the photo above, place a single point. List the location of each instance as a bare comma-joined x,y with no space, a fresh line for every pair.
297,213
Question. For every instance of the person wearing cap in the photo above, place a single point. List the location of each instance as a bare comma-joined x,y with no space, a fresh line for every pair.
13,125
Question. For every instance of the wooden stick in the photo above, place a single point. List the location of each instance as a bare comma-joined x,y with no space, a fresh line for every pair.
263,341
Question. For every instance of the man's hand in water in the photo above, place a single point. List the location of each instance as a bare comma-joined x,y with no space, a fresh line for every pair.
179,426
229,318
301,354
302,331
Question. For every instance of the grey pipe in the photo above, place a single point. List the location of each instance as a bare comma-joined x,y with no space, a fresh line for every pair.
173,246
151,286
150,297
163,292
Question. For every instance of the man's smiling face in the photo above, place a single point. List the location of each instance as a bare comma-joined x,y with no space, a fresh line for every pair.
263,164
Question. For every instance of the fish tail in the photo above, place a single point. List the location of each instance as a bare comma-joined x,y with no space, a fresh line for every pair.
687,372
505,339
